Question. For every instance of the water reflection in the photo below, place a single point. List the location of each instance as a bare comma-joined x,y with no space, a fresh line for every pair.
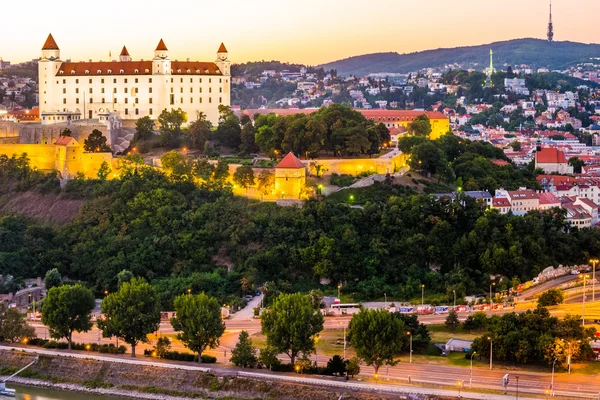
33,393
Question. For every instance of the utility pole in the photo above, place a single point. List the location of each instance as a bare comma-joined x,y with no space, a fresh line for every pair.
594,261
491,350
422,294
409,333
471,372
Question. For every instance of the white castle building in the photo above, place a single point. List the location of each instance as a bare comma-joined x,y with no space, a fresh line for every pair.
130,89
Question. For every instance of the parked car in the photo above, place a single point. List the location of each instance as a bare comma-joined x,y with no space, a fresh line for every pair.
574,272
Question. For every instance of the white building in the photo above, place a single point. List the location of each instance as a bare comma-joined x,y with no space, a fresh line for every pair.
131,89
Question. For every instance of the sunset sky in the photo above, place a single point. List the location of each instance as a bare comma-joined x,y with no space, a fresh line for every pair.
306,31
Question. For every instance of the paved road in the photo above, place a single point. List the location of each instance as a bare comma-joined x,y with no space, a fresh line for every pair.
533,383
542,287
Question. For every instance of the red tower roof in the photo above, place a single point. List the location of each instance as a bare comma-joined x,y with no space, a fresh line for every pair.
124,52
161,46
290,161
222,49
50,44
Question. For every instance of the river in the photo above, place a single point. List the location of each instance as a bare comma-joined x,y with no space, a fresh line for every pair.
34,393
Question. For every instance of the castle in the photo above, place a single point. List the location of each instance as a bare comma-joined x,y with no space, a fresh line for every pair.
130,89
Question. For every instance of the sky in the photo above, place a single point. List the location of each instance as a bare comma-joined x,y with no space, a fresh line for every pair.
304,31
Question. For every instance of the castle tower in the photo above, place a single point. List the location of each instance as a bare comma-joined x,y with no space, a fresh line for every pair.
161,63
290,177
124,56
224,66
488,80
47,69
550,26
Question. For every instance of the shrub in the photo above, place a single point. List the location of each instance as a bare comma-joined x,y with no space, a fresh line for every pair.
551,297
476,321
177,356
341,180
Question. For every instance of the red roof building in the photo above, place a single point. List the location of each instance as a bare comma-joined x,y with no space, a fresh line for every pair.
290,161
552,160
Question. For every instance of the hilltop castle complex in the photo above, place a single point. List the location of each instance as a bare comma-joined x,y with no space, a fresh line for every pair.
130,89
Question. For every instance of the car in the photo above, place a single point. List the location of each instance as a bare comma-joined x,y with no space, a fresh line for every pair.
574,272
248,297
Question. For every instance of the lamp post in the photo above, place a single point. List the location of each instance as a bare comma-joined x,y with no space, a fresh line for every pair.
454,291
189,291
341,323
385,300
316,356
471,372
594,261
585,277
409,333
459,387
491,302
339,287
422,294
517,387
552,383
491,350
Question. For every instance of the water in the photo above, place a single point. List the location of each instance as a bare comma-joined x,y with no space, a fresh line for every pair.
34,393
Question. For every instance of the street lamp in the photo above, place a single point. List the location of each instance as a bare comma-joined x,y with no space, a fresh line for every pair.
454,291
189,291
491,302
594,261
422,294
471,372
459,387
316,356
376,376
552,383
491,350
339,287
385,300
409,333
547,393
517,387
341,323
585,277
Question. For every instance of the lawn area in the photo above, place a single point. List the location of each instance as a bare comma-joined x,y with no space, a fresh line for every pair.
441,334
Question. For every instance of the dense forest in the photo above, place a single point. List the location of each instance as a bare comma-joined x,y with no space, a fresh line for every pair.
180,234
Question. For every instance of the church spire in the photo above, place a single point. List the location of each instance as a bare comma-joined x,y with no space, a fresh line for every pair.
550,26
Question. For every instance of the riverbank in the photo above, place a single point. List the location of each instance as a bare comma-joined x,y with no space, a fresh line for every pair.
153,382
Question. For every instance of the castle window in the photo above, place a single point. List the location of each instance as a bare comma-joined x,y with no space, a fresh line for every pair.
110,72
126,111
180,90
76,90
220,80
136,100
226,80
64,101
64,80
137,71
188,71
150,90
191,100
150,100
150,111
102,81
125,79
209,90
149,80
220,90
91,100
114,90
76,80
220,100
148,71
210,99
115,101
181,81
171,80
137,112
103,100
90,90
191,79
121,71
125,89
77,100
200,80
200,100
126,100
87,71
62,72
209,79
200,90
90,81
171,90
102,90
181,100
64,90
191,90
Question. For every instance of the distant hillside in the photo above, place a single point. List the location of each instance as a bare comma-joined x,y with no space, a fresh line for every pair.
534,52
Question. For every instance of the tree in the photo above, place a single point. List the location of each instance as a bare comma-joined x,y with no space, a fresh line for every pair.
96,142
319,168
163,346
199,322
248,143
199,132
176,164
551,297
124,276
376,336
420,334
104,171
266,182
337,365
170,126
144,128
13,327
68,309
421,126
229,132
291,324
66,132
244,354
52,279
577,164
353,367
516,145
131,313
316,298
452,321
268,356
244,176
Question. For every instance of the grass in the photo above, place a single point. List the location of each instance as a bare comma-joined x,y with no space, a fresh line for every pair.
441,334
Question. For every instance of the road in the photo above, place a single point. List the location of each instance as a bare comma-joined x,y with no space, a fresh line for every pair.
542,287
393,381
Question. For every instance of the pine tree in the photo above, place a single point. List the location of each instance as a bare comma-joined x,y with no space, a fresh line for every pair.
244,354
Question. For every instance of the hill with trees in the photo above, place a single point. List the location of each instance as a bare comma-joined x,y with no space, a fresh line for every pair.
533,52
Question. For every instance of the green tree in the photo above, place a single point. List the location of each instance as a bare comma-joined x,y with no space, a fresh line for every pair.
268,356
144,128
577,164
452,321
66,132
131,313
170,126
124,276
199,322
163,346
104,171
244,176
266,182
421,337
68,309
96,142
52,279
291,323
244,354
353,367
337,365
516,145
248,142
316,298
421,126
199,132
551,297
376,336
13,327
427,156
176,164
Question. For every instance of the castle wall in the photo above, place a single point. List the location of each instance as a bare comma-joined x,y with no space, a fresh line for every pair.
41,156
356,166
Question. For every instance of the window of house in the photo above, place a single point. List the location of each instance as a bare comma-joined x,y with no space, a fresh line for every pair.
102,80
220,100
136,80
76,90
150,81
64,101
171,90
200,90
90,90
136,100
181,80
64,90
103,100
191,90
77,100
126,111
171,80
126,100
125,90
150,90
114,100
220,80
90,81
209,90
91,100
191,100
64,81
150,100
114,80
172,100
180,90
210,100
137,111
102,90
209,80
150,111
114,90
181,100
200,100
220,90
76,80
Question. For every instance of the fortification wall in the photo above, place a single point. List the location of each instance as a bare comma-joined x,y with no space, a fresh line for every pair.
357,166
42,156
